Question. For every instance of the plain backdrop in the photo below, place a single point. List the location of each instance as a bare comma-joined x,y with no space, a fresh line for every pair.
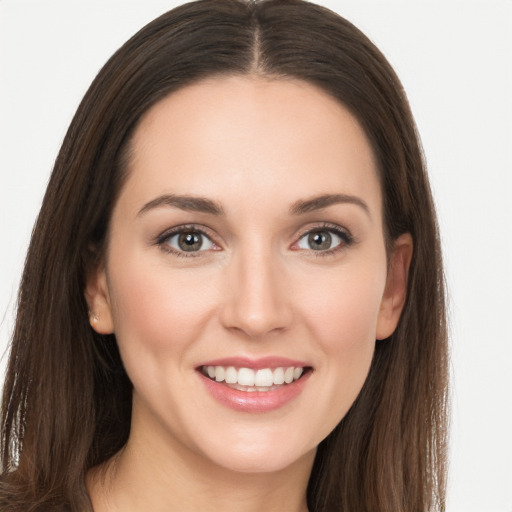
455,61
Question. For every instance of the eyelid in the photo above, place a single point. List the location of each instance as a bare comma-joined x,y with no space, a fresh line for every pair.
163,237
342,232
327,226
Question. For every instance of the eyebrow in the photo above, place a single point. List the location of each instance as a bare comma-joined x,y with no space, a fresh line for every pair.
323,201
203,205
187,203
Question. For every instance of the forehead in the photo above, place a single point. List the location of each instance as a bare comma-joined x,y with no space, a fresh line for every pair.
276,138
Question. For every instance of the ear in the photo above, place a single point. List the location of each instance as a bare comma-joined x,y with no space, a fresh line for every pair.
98,299
395,292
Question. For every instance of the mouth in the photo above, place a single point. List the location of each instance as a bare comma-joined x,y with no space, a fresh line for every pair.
254,386
252,380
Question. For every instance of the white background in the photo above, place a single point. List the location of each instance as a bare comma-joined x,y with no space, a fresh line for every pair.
455,61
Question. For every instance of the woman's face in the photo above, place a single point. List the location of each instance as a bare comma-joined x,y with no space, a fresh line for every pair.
247,240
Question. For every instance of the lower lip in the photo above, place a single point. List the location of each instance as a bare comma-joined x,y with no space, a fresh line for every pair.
255,401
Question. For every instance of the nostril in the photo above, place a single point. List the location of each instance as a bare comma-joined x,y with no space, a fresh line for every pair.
256,318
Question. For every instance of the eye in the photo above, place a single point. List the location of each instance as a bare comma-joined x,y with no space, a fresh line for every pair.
323,240
188,241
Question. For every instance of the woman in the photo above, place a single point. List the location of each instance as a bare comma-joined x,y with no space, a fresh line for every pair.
271,338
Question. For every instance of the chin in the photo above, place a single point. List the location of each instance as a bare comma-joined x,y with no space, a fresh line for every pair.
258,452
260,463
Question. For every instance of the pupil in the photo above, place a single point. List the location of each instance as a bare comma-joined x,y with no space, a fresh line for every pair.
190,242
320,241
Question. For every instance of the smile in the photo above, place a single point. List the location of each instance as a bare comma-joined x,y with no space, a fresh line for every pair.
254,386
250,380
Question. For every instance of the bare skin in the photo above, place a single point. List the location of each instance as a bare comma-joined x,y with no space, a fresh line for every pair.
129,487
277,183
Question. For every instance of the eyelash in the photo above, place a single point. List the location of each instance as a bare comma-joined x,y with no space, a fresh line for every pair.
346,239
163,239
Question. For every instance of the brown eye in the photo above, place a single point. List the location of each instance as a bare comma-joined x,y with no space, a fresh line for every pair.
320,240
189,241
323,240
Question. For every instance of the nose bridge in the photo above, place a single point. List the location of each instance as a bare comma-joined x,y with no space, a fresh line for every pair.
257,302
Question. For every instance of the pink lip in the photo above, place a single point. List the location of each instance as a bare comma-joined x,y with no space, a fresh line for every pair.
255,401
256,364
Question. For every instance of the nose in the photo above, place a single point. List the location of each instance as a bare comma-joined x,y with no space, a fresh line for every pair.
257,301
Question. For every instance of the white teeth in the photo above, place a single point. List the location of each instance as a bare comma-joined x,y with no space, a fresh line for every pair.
279,376
246,377
231,375
264,378
253,380
288,375
219,373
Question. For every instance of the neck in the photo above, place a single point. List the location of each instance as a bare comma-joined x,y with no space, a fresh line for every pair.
149,475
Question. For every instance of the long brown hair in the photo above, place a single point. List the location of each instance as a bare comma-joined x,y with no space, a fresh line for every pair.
67,399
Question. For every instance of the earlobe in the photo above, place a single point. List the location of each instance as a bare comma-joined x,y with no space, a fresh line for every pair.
395,292
98,299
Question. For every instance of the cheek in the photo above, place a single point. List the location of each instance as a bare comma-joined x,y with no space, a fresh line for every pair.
155,309
343,313
342,321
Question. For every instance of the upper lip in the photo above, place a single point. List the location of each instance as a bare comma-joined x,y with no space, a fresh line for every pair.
256,364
